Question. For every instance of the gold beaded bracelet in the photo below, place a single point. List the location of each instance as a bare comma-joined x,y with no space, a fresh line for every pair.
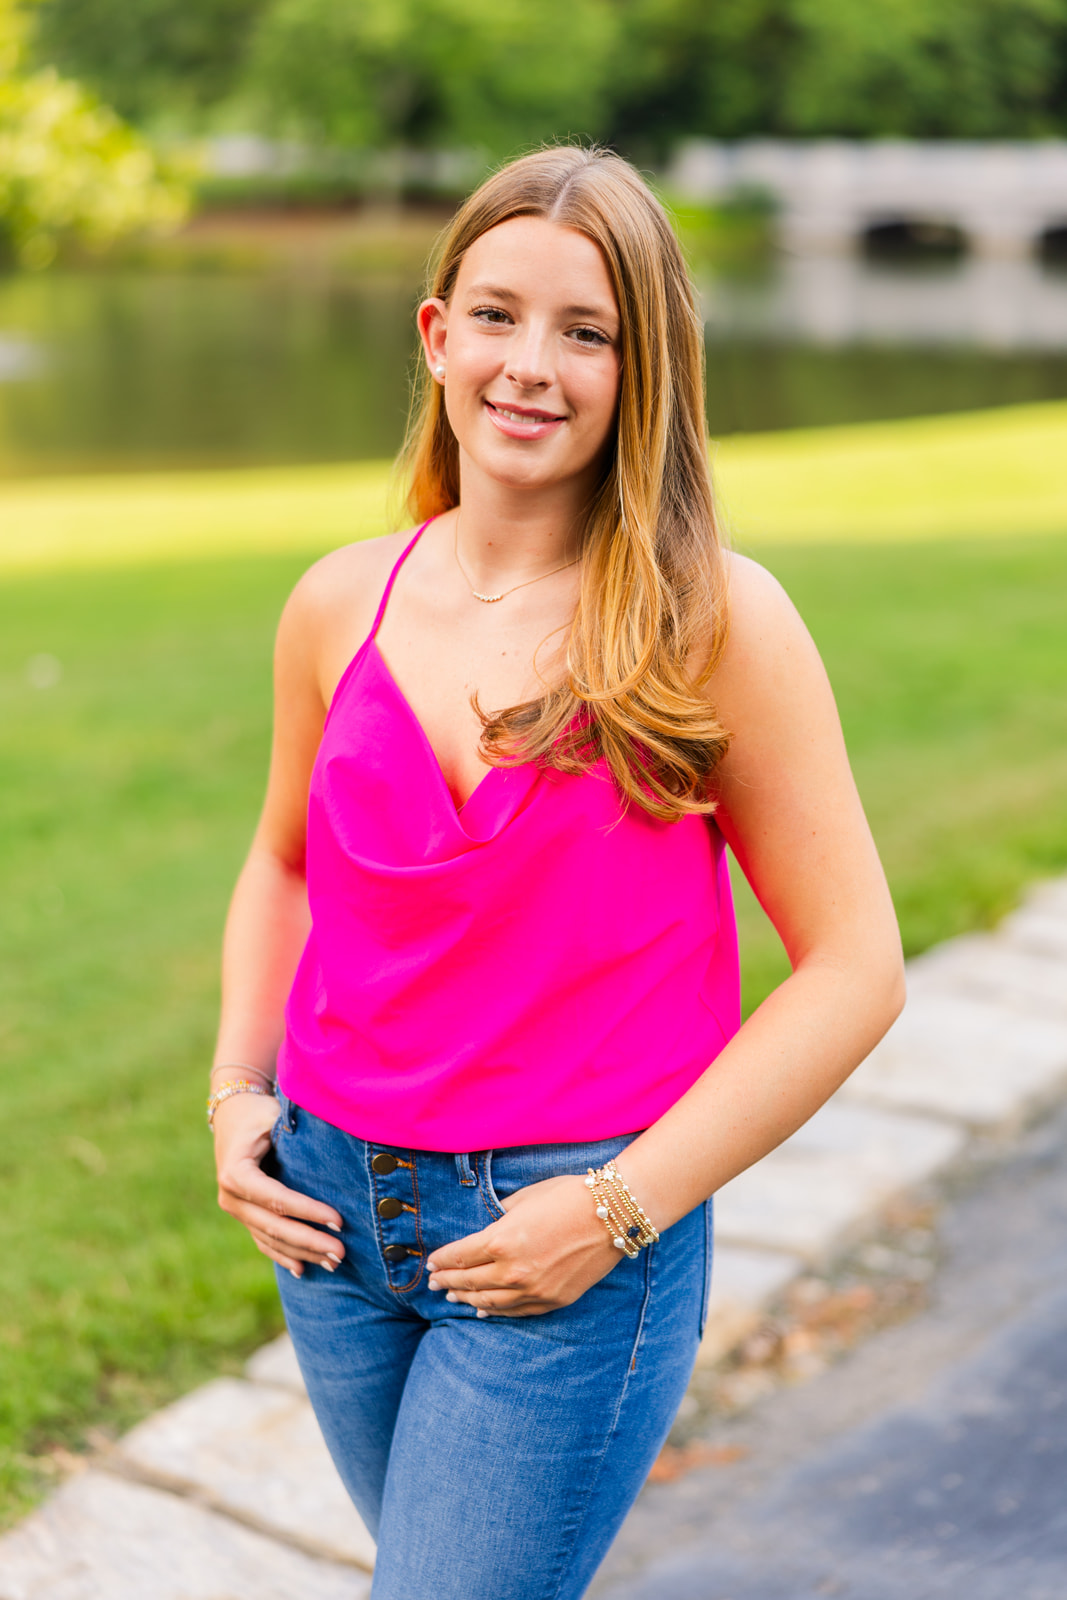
629,1226
235,1086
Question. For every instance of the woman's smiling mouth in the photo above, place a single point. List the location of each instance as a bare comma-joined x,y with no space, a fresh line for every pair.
519,423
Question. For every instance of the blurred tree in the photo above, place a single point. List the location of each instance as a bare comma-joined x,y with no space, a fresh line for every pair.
861,68
148,55
68,165
345,72
485,73
684,67
500,73
926,68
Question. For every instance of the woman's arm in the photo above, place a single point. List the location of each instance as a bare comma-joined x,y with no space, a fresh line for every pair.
790,811
266,929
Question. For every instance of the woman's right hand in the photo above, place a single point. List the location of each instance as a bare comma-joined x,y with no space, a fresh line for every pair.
275,1216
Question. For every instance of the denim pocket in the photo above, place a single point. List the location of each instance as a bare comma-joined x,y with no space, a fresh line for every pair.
504,1172
483,1167
709,1248
284,1122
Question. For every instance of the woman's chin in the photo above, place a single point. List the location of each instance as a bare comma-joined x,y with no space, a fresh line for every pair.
525,468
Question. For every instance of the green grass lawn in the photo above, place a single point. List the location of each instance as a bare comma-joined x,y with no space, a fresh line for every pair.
949,664
128,789
983,474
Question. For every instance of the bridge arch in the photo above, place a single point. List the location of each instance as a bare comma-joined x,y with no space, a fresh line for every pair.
1003,197
1052,246
920,236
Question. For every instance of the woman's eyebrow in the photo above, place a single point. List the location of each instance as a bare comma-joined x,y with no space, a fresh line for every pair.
492,291
595,313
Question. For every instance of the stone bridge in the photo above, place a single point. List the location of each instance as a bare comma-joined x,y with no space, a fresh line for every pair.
1004,199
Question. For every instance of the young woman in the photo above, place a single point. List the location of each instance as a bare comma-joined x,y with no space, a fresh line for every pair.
485,935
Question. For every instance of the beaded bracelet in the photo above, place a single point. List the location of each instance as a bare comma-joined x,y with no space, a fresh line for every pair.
235,1086
629,1226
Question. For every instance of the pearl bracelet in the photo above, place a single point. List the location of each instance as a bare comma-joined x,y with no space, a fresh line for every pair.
235,1086
629,1226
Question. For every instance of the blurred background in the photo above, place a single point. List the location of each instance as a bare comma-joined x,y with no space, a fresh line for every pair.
214,222
318,145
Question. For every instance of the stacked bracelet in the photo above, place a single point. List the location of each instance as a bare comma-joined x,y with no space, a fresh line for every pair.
235,1086
243,1067
629,1226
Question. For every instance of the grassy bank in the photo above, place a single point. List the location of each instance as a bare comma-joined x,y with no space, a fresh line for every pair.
133,742
986,474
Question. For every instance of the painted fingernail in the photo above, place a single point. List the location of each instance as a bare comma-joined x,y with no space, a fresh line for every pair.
435,1285
334,1226
326,1267
483,1313
295,1274
331,1257
451,1295
431,1266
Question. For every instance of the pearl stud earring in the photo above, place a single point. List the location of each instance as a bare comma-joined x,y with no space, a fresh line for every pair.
439,370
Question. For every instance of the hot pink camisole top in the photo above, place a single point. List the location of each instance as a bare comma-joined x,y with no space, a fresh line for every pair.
543,965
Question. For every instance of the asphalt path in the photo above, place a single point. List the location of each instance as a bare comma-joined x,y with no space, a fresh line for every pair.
930,1463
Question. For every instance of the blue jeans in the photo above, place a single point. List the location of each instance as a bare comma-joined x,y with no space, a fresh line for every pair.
492,1459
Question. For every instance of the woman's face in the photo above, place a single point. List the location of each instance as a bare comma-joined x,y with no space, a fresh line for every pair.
530,346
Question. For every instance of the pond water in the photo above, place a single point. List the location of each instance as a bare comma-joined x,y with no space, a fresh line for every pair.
117,370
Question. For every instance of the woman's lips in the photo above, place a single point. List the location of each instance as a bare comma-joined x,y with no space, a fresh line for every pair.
520,424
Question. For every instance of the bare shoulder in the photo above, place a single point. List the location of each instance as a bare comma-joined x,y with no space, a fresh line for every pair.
770,672
761,612
331,609
350,578
766,632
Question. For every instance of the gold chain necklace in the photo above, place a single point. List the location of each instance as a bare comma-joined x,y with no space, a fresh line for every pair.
491,599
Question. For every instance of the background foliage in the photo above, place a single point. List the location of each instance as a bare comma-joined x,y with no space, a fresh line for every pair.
68,165
434,72
428,73
860,68
144,55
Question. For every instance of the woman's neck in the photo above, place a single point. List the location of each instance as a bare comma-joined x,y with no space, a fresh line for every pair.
507,535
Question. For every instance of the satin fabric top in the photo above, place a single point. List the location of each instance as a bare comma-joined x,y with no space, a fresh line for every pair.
541,966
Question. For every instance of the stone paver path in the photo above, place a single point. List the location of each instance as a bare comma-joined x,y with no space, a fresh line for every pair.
229,1494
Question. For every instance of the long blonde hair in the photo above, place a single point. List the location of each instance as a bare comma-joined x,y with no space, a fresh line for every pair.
650,624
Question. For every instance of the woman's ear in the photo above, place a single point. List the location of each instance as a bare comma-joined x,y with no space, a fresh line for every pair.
432,319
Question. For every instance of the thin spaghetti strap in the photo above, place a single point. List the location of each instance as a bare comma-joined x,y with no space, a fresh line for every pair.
361,653
387,591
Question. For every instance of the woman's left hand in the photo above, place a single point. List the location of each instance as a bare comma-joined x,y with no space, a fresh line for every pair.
547,1250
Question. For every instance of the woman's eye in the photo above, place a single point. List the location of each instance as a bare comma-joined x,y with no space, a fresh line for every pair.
590,336
491,314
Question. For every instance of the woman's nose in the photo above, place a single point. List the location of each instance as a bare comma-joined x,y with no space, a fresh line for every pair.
529,360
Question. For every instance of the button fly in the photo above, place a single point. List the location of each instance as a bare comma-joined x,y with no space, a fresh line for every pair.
395,1199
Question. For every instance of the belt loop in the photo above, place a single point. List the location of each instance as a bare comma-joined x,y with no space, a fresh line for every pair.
465,1170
